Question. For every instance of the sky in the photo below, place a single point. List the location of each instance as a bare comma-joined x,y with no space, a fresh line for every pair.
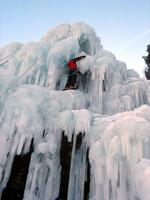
122,25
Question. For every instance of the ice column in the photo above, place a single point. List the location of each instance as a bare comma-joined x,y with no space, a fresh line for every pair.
77,171
96,89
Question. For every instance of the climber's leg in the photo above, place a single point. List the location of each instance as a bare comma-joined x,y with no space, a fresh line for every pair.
68,81
73,80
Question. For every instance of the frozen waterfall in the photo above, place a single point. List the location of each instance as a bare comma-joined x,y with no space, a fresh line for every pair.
92,143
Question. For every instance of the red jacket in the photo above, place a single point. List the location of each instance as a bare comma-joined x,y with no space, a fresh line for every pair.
72,65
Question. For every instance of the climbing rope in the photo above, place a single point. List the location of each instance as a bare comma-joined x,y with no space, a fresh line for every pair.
15,81
11,56
7,56
4,62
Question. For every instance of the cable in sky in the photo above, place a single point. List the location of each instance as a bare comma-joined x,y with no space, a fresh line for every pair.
136,39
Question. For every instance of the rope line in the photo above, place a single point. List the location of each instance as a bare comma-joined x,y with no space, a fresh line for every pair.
4,62
7,56
15,81
11,56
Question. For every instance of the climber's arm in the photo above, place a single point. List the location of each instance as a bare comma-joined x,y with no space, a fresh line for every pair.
78,58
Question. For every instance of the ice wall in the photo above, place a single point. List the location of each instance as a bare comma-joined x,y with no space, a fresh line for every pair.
33,106
119,155
33,112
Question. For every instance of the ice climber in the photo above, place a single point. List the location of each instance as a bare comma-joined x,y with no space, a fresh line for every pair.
72,76
147,61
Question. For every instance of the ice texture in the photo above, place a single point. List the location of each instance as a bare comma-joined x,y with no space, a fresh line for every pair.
110,108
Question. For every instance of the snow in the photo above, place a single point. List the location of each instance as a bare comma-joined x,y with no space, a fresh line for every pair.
110,108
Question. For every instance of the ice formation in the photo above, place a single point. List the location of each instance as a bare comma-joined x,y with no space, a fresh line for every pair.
110,109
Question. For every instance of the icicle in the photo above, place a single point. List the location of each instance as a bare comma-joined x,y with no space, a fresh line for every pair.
77,171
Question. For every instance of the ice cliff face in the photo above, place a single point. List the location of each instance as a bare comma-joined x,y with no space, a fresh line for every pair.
108,109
